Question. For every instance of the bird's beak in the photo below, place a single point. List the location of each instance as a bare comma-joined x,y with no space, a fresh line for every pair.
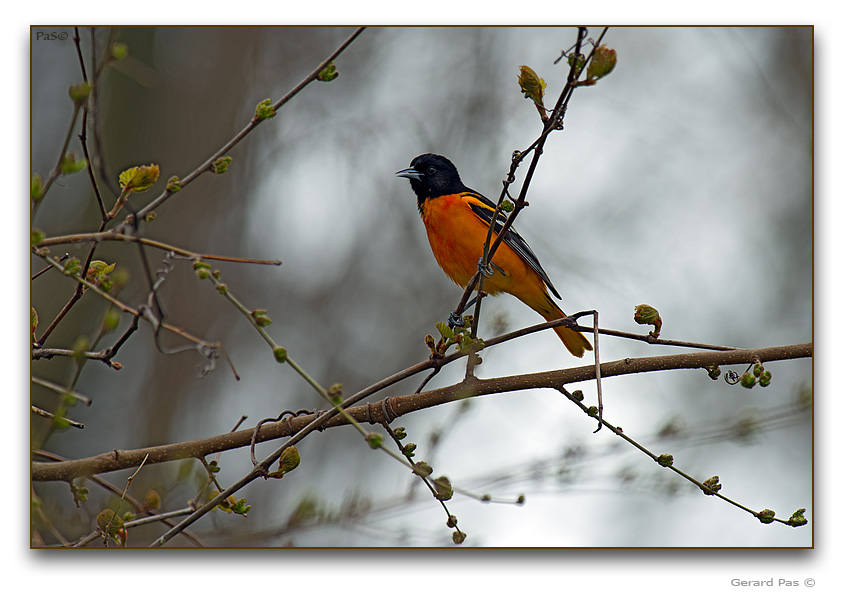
409,173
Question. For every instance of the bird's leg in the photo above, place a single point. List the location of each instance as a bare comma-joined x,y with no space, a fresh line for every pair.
455,318
487,270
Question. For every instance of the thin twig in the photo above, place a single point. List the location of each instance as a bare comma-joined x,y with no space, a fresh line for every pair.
48,415
116,235
63,391
205,167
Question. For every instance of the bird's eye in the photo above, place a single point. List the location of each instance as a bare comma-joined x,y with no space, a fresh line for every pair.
431,170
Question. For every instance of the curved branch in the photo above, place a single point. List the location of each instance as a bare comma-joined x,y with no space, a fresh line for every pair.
396,406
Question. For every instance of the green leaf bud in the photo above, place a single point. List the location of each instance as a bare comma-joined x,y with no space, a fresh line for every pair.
603,62
280,354
766,516
264,110
532,85
119,50
79,93
70,164
797,518
260,317
72,267
152,500
747,380
443,488
409,450
374,440
328,73
422,469
665,460
221,165
174,184
712,485
289,461
36,188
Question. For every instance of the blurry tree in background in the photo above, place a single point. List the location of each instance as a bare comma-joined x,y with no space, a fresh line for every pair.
683,180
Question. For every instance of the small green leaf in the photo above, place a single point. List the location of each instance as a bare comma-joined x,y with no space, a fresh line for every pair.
71,165
532,85
422,469
328,73
36,236
290,460
576,61
119,50
797,518
646,314
97,274
280,354
443,488
260,317
747,380
174,184
72,267
79,93
665,460
766,516
202,269
712,485
108,523
240,507
111,320
221,165
374,440
409,450
152,500
138,179
603,62
445,330
36,189
264,110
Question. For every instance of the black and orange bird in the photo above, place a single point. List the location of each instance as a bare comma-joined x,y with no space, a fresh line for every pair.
457,220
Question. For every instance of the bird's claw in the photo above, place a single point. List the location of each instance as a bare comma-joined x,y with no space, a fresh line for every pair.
486,270
455,319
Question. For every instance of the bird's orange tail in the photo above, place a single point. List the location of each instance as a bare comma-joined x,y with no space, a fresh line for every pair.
575,342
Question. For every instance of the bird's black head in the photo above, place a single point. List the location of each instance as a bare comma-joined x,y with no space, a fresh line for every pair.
432,176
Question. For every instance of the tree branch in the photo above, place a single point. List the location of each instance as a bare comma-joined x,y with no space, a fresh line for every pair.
396,406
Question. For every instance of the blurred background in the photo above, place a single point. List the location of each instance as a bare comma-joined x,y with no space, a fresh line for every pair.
682,180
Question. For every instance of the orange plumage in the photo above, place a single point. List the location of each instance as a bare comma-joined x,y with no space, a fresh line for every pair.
457,219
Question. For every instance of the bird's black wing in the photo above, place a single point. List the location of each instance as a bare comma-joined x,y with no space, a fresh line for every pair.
484,208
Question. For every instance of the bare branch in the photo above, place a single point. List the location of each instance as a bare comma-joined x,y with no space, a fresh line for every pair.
395,406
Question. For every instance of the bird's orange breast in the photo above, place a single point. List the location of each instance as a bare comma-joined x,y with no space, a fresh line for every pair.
457,237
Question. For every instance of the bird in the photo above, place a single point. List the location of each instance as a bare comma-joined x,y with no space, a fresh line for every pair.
457,221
